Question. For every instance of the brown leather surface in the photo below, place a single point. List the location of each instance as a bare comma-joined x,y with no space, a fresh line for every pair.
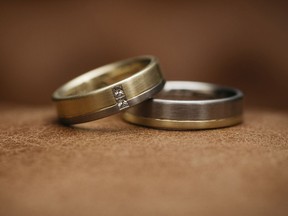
109,167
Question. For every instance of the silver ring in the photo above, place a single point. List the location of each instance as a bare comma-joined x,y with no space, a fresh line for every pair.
108,90
184,105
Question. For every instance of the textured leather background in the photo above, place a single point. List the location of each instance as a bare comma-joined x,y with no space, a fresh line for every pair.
109,167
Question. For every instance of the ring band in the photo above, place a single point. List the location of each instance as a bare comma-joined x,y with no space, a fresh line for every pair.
183,105
108,90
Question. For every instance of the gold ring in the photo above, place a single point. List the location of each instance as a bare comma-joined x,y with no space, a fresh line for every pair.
184,105
108,90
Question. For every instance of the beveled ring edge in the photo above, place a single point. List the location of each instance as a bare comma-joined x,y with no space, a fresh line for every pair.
170,124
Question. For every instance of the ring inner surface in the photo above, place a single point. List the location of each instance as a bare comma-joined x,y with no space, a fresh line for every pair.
106,78
189,94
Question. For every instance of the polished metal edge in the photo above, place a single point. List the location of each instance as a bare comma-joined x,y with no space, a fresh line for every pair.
168,124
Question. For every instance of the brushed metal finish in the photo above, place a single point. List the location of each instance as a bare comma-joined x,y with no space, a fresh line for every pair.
90,96
189,105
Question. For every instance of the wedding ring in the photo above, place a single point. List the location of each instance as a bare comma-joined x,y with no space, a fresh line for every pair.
184,105
108,90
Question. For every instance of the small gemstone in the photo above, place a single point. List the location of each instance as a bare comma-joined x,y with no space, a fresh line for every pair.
118,92
120,97
122,104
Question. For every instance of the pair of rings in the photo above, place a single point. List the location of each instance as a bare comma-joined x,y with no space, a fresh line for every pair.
137,86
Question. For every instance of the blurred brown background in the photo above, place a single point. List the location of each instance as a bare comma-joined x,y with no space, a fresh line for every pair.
243,44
